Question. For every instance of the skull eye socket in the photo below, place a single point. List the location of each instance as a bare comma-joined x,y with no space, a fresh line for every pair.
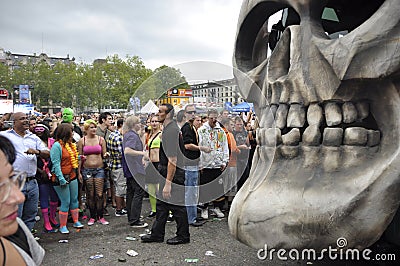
282,19
340,17
252,37
260,29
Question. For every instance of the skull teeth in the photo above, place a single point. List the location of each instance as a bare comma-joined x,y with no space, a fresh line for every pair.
281,116
349,112
296,116
374,138
315,114
332,137
331,124
312,136
292,138
356,136
333,114
362,109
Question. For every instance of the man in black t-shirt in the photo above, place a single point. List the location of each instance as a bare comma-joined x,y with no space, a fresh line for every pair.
172,196
192,154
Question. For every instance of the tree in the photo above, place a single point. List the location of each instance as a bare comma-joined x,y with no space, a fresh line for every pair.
6,81
163,79
105,83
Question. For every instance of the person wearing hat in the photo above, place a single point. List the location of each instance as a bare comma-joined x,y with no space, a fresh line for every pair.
47,195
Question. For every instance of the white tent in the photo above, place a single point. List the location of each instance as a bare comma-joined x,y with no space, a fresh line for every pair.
149,108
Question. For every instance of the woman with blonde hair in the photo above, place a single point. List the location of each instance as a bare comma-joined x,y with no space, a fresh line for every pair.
92,149
153,149
64,157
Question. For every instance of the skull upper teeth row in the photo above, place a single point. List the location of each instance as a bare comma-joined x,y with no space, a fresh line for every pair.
332,124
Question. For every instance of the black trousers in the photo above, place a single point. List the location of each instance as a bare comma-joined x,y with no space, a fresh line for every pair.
134,197
243,170
179,212
211,187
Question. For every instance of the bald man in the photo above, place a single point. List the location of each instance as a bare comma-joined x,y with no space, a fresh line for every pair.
28,148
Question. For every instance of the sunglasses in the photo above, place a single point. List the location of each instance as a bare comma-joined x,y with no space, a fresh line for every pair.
191,112
39,129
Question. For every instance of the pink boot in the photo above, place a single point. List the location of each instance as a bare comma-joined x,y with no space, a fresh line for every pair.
53,211
46,221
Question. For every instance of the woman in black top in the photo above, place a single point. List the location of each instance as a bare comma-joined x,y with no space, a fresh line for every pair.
47,195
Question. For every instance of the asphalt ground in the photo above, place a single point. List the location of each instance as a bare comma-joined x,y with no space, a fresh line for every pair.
110,241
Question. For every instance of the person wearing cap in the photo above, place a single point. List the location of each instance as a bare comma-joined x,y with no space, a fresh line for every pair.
47,195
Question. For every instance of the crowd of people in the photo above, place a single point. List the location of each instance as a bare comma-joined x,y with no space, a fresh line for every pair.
190,165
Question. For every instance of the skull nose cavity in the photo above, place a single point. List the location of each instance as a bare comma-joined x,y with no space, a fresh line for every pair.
330,124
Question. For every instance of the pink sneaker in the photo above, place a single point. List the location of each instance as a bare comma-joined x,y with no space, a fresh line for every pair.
91,221
103,221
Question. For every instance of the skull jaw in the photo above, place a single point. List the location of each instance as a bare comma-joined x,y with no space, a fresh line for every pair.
281,216
313,199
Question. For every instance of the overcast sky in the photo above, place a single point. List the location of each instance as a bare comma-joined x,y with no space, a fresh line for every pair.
160,32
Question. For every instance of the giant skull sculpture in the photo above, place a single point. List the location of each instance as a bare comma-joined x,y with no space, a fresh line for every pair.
328,167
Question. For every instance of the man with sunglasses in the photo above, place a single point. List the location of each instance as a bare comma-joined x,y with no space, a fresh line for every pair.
28,147
192,155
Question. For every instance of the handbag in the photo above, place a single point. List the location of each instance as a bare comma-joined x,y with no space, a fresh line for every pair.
47,165
55,181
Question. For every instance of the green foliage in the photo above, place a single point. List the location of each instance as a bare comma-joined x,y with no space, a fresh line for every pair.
103,84
163,79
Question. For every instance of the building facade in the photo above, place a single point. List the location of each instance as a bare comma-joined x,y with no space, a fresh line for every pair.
15,60
217,92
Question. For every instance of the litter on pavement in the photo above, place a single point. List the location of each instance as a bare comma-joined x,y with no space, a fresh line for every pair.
132,253
209,253
192,260
97,256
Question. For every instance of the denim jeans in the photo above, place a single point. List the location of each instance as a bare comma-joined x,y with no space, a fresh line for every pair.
93,172
191,192
27,211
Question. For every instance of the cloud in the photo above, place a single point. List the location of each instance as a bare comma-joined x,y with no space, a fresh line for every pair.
159,31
